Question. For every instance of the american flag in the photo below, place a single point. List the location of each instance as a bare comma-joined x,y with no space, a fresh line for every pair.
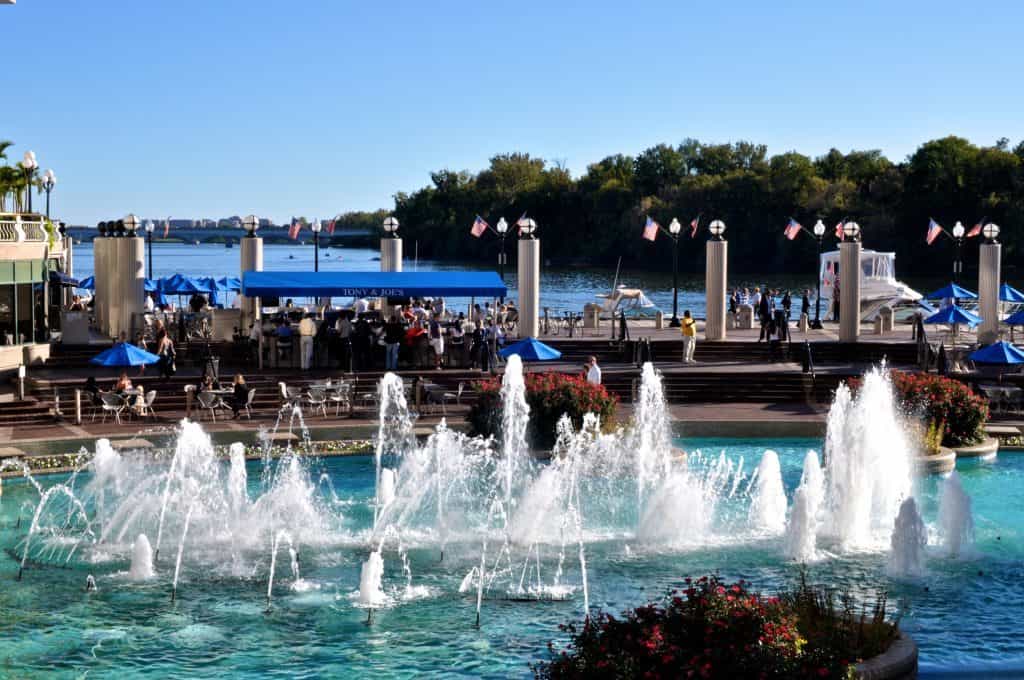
330,227
976,229
651,229
479,227
167,226
933,231
293,231
693,226
792,229
839,230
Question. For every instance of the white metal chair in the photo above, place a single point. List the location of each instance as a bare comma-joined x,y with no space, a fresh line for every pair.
289,396
112,403
341,395
209,401
248,403
316,399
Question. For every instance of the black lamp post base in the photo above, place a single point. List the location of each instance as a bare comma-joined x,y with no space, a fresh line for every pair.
675,322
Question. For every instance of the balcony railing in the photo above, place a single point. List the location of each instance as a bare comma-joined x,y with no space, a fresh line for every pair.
22,228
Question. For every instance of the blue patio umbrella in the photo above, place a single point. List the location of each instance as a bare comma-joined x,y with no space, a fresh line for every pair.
232,283
952,314
531,349
62,279
124,354
1001,353
88,283
1015,319
952,291
1008,293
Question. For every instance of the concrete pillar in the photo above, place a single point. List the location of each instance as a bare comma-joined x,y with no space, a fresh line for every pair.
716,273
131,276
529,287
390,261
989,274
251,261
101,276
390,254
849,291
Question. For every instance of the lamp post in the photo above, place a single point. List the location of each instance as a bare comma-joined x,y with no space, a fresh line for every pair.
131,224
49,182
673,229
717,228
29,166
716,273
989,275
819,233
316,227
958,264
391,227
391,247
529,278
850,275
149,247
502,228
991,232
251,223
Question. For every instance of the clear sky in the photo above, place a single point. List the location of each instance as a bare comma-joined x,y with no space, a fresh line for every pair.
310,107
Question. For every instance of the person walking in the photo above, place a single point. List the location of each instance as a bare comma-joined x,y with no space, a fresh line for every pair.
787,304
805,303
436,341
593,371
689,331
764,313
394,333
307,330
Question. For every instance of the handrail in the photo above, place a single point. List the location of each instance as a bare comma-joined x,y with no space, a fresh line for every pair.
18,228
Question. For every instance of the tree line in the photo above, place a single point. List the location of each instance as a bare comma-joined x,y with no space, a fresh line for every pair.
599,216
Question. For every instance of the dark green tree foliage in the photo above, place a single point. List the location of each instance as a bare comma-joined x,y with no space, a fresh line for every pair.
598,217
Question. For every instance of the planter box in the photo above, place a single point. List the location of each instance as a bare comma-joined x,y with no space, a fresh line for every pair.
987,449
899,662
943,462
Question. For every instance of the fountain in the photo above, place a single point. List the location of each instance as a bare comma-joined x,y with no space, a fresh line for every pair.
768,503
142,560
956,523
370,579
909,538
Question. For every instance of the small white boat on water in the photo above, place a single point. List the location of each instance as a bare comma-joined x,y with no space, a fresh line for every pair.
878,284
624,299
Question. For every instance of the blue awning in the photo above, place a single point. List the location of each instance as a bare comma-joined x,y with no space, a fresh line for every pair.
373,284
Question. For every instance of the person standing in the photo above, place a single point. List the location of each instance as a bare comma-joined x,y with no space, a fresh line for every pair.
764,313
307,330
593,371
835,300
805,304
394,333
689,331
787,304
436,341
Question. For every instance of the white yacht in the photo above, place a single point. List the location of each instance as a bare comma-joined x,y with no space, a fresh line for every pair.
878,285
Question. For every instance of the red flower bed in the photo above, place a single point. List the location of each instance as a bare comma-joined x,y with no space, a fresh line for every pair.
549,395
940,400
712,629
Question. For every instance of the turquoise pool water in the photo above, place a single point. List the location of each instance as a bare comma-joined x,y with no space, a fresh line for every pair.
964,613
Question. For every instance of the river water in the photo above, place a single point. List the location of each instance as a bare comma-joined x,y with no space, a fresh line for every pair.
562,288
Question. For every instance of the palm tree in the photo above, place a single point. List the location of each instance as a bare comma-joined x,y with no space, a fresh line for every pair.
8,175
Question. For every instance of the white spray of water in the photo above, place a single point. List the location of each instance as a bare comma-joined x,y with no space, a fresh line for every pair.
802,528
651,443
768,504
956,523
909,537
387,487
370,579
142,560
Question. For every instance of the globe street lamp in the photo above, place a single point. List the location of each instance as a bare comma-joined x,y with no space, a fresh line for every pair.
717,228
851,231
29,166
391,226
131,223
958,265
526,228
49,182
251,223
316,227
819,233
991,232
502,228
149,227
673,230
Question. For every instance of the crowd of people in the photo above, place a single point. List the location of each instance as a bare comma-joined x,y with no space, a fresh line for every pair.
420,334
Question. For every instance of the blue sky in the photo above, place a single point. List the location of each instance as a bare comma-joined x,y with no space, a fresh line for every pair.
210,108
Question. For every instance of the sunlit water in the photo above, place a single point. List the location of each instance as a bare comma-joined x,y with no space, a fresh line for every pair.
961,612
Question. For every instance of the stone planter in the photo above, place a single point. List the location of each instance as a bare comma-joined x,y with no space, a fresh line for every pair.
941,463
899,662
987,449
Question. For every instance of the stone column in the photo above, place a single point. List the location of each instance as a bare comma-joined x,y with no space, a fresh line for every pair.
529,287
989,265
390,261
849,291
251,261
130,268
101,275
715,276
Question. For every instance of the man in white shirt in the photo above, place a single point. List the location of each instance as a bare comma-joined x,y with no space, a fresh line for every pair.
593,371
307,329
149,303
